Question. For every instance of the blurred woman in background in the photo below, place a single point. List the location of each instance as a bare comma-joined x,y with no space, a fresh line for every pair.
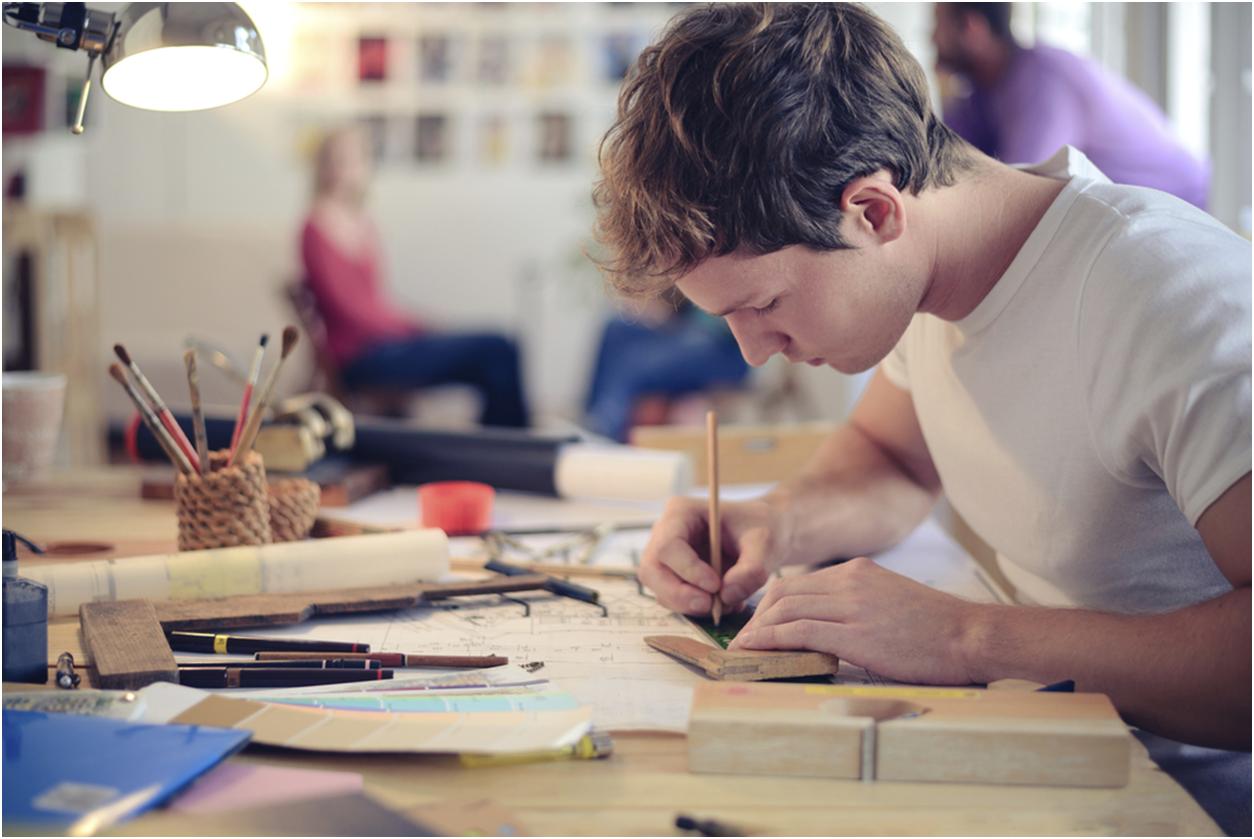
373,342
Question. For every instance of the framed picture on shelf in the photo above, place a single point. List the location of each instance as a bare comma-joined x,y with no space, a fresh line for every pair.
375,127
23,99
492,65
554,141
553,63
431,138
372,59
493,140
618,52
435,58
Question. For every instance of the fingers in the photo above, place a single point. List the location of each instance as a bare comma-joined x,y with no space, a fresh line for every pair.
807,634
749,573
670,567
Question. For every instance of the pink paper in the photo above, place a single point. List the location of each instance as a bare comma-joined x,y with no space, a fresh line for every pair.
239,786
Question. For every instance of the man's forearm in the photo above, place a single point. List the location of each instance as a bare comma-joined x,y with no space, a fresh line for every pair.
1183,674
853,499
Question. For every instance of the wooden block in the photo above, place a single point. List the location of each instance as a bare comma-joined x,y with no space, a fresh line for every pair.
126,644
954,735
746,665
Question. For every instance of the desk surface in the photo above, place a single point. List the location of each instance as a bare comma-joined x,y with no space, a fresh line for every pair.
645,783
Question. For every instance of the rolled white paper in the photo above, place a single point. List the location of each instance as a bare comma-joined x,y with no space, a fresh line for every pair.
621,472
380,559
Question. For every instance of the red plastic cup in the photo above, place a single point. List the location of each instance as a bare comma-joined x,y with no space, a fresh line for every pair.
456,507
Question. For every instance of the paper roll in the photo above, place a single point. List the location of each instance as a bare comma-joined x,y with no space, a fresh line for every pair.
312,565
621,472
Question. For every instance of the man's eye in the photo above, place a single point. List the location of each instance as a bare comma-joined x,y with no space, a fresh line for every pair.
768,308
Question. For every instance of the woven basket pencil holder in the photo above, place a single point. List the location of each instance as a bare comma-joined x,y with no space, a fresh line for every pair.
293,508
226,507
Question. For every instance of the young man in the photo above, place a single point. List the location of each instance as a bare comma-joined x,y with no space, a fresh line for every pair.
1068,359
1023,103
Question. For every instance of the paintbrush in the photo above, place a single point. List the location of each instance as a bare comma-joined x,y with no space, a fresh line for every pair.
198,416
150,419
246,440
251,383
159,407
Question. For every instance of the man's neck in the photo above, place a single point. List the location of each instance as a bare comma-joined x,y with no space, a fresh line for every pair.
975,229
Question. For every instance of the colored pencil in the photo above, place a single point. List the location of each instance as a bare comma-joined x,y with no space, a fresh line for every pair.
716,548
287,664
242,677
159,407
162,436
198,415
402,659
249,435
250,383
215,642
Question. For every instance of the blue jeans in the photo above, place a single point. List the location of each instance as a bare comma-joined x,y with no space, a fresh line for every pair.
487,362
1218,780
679,357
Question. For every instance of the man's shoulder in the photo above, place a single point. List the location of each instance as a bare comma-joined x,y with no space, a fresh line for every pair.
1131,216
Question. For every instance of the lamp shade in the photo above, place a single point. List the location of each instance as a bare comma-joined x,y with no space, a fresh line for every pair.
183,56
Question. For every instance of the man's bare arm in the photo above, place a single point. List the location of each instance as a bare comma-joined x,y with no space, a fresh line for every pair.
1183,674
869,485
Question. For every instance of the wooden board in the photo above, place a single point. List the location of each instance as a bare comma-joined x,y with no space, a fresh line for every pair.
126,644
744,666
285,609
955,735
126,638
747,454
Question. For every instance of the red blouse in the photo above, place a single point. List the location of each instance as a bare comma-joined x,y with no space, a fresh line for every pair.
350,296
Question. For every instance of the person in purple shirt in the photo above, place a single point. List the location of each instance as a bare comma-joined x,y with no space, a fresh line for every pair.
1026,102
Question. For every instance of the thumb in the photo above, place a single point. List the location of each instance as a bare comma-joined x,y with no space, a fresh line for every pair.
749,573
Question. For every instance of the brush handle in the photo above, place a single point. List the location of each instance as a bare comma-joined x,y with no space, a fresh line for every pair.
241,417
180,439
198,415
249,436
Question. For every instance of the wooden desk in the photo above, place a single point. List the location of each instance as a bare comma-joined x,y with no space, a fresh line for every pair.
641,788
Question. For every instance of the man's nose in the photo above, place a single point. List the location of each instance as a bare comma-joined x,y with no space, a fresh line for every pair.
757,345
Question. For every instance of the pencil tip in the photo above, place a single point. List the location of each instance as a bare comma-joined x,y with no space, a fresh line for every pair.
122,353
265,338
290,336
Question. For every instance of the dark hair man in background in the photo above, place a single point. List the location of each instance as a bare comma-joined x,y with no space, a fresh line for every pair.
1069,359
1025,102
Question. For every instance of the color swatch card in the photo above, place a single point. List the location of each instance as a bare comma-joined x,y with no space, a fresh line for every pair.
78,774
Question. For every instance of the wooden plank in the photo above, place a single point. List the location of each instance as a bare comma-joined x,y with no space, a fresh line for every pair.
126,644
951,735
286,609
747,454
744,665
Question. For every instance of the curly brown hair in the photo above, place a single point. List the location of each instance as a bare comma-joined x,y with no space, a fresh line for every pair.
742,126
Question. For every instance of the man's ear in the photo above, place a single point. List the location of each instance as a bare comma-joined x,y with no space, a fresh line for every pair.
874,208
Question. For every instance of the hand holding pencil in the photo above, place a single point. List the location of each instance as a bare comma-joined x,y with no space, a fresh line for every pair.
679,568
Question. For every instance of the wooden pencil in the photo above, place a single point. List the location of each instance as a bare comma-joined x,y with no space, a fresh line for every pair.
168,446
198,415
716,548
159,407
249,435
249,384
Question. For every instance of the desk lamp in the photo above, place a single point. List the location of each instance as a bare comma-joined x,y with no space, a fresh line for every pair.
157,56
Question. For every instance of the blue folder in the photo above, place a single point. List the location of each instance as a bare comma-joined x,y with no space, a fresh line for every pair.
83,773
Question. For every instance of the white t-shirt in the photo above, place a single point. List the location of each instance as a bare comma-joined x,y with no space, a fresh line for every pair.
1097,401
